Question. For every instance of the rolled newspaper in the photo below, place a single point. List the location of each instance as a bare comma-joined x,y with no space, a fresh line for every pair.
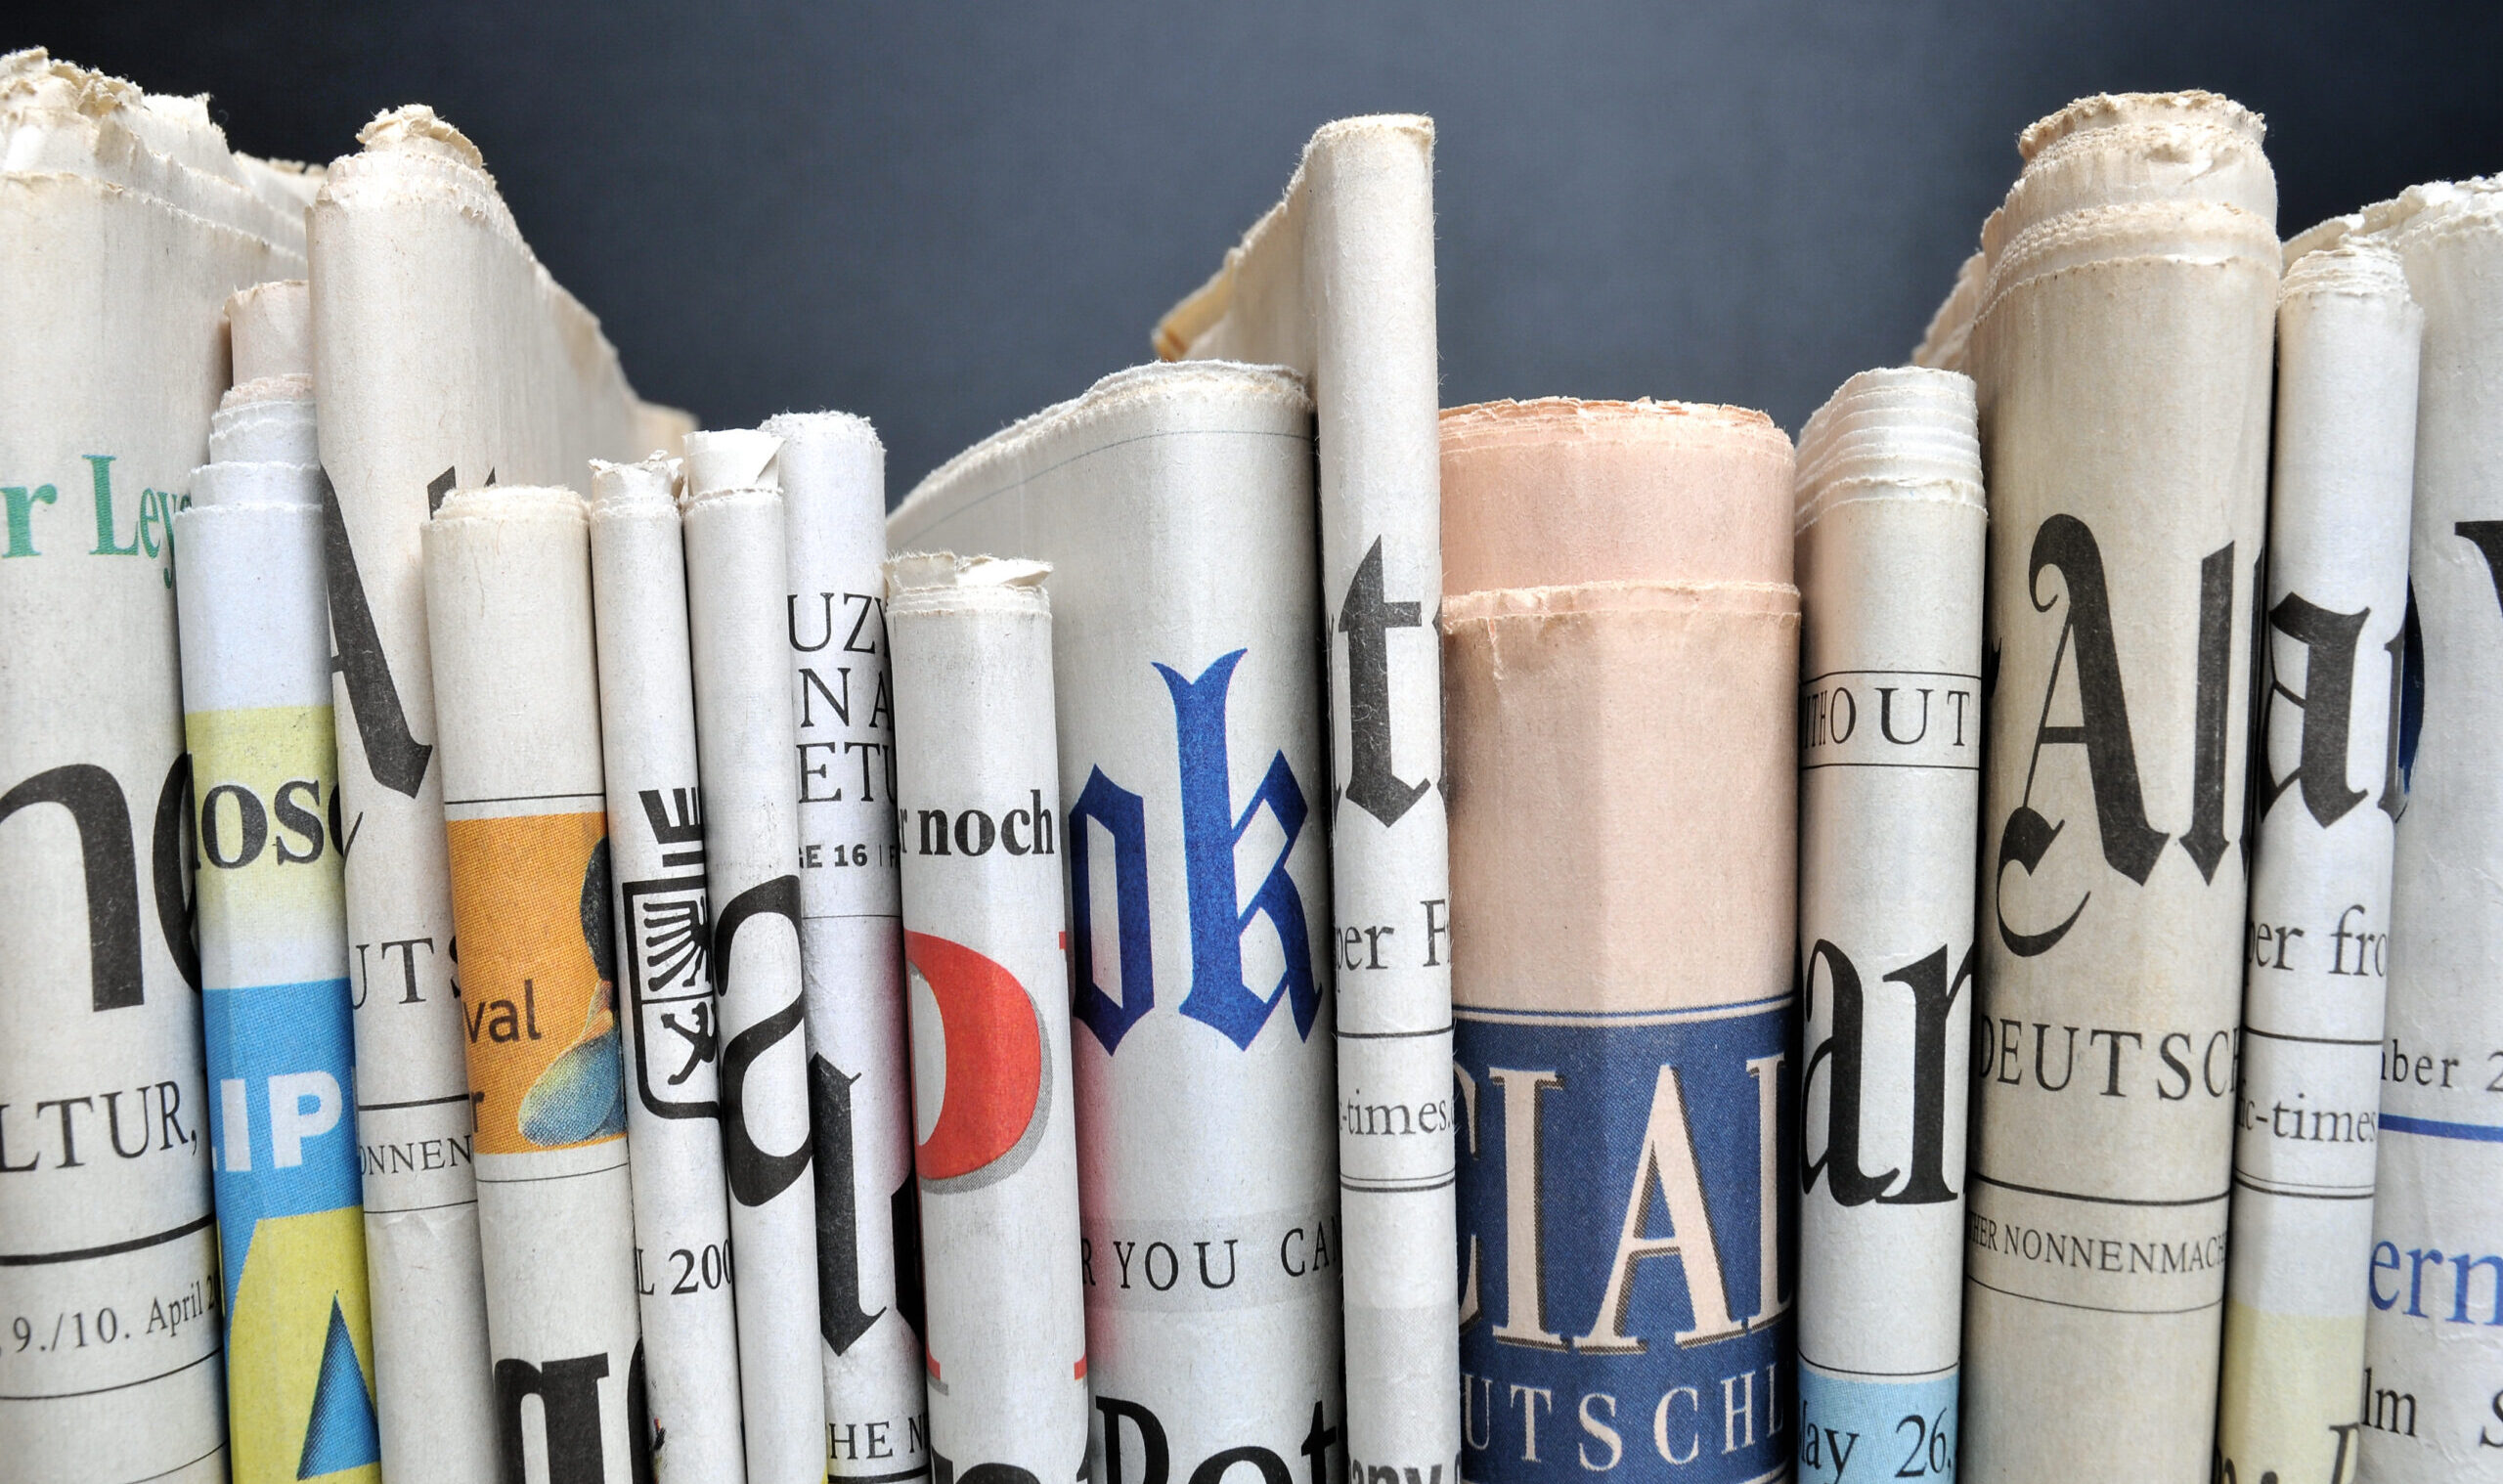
516,690
1336,281
993,1107
273,940
1175,503
2433,1391
1891,529
124,224
2347,340
736,576
443,355
2132,284
1622,640
668,1018
851,948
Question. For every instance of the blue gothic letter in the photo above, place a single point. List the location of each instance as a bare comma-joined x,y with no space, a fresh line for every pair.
1123,815
1210,830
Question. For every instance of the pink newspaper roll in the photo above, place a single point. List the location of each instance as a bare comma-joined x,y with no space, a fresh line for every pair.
1621,656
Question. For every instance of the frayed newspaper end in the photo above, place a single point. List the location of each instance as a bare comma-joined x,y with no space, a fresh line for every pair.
270,327
733,458
924,576
645,487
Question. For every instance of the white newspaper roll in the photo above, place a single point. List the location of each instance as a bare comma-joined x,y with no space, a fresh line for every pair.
444,355
1890,546
1337,283
516,691
993,1109
667,1017
2347,338
1175,503
852,950
736,576
272,939
2433,1392
2123,359
124,224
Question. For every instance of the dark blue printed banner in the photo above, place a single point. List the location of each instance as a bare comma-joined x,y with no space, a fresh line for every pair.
1625,1207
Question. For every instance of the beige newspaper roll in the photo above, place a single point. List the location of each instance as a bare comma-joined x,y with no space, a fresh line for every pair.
737,570
516,690
668,1014
1623,645
994,1104
2433,1392
1890,548
1337,282
834,495
124,224
2122,357
2347,341
443,355
1175,503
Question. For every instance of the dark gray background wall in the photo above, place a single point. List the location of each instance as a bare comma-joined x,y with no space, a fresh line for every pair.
946,215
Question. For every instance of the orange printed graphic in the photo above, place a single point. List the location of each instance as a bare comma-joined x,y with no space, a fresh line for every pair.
538,1002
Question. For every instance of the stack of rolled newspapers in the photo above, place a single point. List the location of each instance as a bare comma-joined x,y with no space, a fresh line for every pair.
1251,930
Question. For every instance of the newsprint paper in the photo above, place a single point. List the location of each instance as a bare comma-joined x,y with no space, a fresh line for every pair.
1337,282
993,1109
668,1018
2132,282
509,614
834,497
2331,687
735,574
273,927
1175,503
1622,640
124,224
1891,531
2433,1394
442,356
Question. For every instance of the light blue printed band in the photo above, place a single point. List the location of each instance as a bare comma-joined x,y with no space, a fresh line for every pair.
1851,1429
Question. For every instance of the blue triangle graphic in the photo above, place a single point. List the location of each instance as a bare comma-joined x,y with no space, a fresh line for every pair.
340,1433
